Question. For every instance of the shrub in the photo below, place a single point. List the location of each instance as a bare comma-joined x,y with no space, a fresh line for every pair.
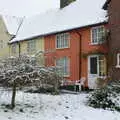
18,72
107,97
42,90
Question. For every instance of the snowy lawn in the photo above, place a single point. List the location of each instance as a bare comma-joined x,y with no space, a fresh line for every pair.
49,107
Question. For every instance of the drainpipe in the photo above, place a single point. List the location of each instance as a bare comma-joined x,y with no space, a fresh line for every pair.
80,53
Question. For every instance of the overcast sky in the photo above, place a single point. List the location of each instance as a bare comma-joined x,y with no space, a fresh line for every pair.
26,7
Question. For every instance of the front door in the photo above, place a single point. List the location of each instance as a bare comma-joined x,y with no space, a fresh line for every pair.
93,65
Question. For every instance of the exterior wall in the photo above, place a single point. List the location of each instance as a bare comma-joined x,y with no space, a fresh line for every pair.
74,52
4,52
89,49
114,38
39,46
22,49
16,53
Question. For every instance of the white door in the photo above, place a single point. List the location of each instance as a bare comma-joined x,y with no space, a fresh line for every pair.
93,71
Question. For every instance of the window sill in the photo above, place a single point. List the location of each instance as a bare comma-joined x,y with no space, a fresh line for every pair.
96,43
102,77
62,48
66,75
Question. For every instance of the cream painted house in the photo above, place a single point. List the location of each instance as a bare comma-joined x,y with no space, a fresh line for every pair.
8,29
4,39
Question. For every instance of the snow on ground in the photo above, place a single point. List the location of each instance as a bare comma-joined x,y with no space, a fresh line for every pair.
49,107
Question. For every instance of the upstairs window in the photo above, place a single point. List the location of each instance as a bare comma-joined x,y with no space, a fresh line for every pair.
62,40
98,35
64,64
31,46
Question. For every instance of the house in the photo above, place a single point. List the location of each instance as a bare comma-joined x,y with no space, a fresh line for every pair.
81,52
113,9
8,29
69,39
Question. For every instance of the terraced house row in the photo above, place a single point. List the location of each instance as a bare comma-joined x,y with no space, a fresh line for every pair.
73,37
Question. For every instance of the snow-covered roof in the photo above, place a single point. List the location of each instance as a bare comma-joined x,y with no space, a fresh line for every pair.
12,23
78,14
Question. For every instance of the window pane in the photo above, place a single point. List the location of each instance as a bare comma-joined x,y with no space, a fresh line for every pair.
93,65
64,64
98,35
62,40
31,46
119,60
102,65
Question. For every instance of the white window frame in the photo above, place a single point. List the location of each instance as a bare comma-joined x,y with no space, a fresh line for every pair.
97,36
118,60
98,65
61,39
103,65
31,46
67,74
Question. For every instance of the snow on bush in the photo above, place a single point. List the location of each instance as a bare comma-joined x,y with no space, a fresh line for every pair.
107,97
25,71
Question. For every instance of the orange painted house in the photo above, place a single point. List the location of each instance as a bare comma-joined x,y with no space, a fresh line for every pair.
81,53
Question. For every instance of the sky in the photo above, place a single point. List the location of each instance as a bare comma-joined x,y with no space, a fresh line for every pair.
26,7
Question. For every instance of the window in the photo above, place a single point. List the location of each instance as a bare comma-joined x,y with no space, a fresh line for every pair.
98,35
31,46
93,62
102,65
1,44
118,60
64,64
98,65
62,40
13,48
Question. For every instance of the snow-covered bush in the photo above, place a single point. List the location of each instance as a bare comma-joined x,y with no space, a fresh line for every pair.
25,71
107,97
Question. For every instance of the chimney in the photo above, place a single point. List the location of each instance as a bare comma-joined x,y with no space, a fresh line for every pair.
64,3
